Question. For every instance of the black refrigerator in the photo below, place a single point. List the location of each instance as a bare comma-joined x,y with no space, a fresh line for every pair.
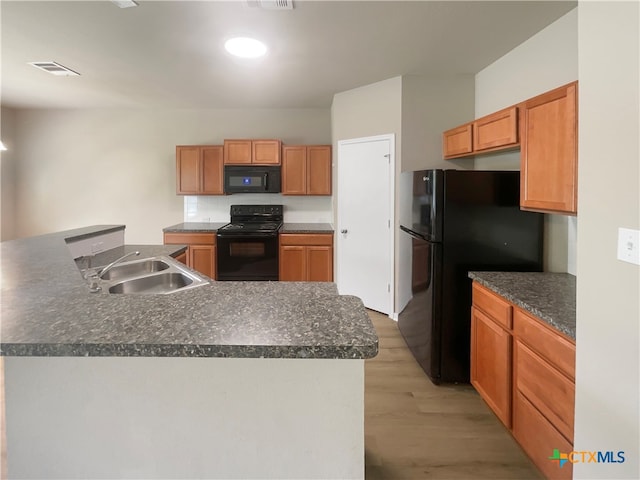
462,220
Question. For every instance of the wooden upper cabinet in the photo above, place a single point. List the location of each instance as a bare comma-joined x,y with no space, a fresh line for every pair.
306,170
294,170
319,170
549,151
497,130
266,152
458,142
199,170
256,152
237,152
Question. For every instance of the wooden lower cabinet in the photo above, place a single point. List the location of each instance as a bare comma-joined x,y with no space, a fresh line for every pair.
539,438
201,250
491,364
524,370
306,257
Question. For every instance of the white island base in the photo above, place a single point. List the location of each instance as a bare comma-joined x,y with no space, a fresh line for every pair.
159,417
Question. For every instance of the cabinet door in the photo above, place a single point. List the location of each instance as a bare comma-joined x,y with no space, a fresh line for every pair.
457,142
266,152
319,263
292,263
187,170
294,170
539,438
237,152
549,149
202,258
491,364
319,170
212,170
497,130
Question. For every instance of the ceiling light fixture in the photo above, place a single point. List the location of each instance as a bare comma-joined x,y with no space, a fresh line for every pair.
125,3
245,47
54,68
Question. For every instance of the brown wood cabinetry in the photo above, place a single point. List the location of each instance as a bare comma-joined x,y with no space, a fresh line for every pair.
491,354
255,152
549,153
498,130
199,170
458,142
524,369
201,250
306,170
306,257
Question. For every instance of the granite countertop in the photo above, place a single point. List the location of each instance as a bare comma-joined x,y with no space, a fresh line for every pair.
189,227
306,228
193,227
47,310
549,296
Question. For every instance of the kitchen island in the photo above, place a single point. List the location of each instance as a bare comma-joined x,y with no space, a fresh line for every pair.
227,380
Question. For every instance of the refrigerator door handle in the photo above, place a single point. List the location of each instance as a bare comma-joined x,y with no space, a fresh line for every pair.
412,233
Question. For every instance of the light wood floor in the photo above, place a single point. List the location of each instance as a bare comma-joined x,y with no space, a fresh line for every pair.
416,430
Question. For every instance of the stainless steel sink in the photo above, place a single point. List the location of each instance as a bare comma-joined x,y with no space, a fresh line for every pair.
134,269
155,275
160,283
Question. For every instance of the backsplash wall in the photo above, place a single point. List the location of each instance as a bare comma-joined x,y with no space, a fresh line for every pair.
297,209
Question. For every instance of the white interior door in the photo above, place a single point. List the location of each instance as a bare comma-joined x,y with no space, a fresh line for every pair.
365,216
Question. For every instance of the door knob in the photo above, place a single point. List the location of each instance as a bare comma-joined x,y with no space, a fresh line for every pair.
343,230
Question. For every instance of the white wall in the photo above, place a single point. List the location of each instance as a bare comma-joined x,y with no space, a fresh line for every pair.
83,167
7,175
364,112
431,105
547,60
608,336
184,418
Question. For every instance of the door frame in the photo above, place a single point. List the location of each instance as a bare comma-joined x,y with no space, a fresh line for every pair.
392,212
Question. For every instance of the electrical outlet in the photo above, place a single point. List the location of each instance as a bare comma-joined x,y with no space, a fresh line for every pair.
629,245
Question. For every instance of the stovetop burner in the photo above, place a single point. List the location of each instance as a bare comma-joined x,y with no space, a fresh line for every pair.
253,219
249,227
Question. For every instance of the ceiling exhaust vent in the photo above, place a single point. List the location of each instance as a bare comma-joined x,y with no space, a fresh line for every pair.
54,68
270,4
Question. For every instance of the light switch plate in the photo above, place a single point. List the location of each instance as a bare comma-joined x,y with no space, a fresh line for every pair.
629,245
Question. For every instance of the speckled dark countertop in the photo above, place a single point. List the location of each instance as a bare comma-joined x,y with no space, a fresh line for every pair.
189,227
47,310
549,296
213,227
306,228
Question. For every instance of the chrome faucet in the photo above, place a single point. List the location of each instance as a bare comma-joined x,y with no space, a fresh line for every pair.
104,270
94,276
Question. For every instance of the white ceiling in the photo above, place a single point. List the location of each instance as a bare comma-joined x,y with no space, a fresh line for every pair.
169,53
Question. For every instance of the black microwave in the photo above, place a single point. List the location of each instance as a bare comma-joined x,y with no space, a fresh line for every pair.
246,179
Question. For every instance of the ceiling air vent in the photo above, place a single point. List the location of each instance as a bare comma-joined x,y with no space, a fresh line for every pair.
54,68
270,4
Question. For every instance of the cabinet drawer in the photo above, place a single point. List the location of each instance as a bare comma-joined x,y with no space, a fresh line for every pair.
491,304
546,341
539,438
190,238
306,239
551,392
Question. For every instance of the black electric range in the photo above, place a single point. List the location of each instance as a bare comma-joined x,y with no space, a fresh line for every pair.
247,247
